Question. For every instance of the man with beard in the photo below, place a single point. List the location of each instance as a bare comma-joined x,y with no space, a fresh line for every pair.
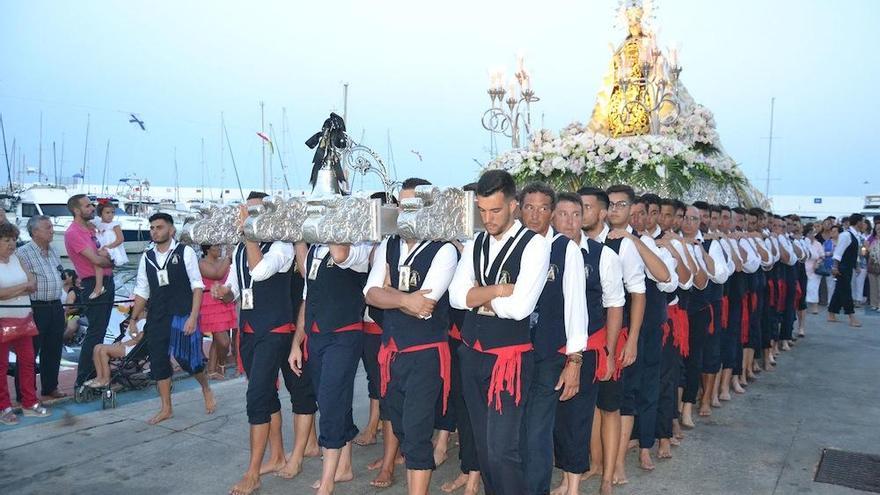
498,280
169,280
82,249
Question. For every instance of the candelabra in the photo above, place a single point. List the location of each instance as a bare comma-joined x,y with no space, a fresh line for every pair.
656,83
510,111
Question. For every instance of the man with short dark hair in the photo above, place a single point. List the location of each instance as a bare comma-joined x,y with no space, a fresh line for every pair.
169,278
408,282
599,385
559,335
82,249
845,257
41,259
498,280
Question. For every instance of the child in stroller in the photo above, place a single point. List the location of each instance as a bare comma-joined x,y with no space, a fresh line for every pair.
121,362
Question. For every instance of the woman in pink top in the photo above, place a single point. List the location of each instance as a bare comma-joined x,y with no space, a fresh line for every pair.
217,317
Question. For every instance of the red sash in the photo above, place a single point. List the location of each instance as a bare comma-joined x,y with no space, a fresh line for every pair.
680,329
598,342
772,293
371,328
745,321
780,295
454,332
389,351
711,319
506,373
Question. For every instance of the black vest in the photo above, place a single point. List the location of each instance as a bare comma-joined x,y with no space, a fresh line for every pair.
273,302
297,282
655,302
408,331
490,332
335,299
614,244
595,309
548,336
850,255
174,299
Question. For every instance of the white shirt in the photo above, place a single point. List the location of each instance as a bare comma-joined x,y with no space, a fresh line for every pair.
529,283
785,243
437,279
753,261
726,245
683,285
716,252
190,261
667,259
277,259
574,289
633,266
358,260
843,242
610,274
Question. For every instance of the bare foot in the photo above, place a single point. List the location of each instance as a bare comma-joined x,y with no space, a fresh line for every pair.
675,441
717,403
383,480
832,318
272,466
592,472
786,346
365,438
290,470
375,464
339,478
705,411
620,475
160,416
633,444
399,460
245,486
738,388
210,401
854,323
645,461
457,483
664,449
606,488
687,421
725,396
562,488
676,430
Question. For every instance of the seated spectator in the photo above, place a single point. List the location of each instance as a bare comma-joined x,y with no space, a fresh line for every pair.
104,352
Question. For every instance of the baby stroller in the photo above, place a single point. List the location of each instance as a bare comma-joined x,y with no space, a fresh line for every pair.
126,373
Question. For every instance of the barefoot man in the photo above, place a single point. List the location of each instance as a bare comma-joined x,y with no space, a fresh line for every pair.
408,280
604,303
169,278
260,277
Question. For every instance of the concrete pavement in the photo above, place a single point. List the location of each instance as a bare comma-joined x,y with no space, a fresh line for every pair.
824,394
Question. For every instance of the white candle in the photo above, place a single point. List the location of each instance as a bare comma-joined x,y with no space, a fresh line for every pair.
511,89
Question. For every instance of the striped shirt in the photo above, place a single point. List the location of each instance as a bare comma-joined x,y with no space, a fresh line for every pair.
46,269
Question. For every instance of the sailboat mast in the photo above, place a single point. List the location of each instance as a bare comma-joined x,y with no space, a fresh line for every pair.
86,148
770,147
40,154
263,142
106,169
176,180
222,166
54,163
6,154
203,169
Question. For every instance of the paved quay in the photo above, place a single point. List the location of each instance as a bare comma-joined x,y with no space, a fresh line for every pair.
769,441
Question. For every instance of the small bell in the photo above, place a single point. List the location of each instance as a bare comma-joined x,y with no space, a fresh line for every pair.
326,183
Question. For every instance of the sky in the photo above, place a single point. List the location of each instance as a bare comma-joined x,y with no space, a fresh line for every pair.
417,75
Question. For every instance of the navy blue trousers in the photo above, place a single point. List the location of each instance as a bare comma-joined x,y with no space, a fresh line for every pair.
497,435
574,422
540,416
670,373
409,401
333,360
262,355
698,321
712,343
